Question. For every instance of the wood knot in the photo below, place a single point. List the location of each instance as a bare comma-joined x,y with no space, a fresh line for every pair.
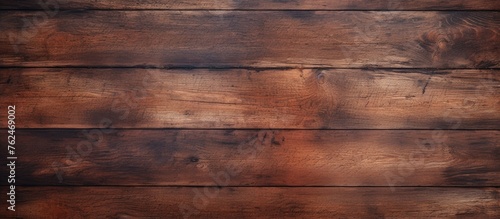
442,44
194,159
320,76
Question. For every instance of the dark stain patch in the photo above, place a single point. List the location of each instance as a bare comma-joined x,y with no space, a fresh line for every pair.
486,64
471,213
302,15
371,66
229,132
124,168
468,176
339,117
455,6
40,118
159,150
495,194
69,15
263,176
285,1
455,121
9,80
480,143
228,143
252,4
400,20
265,138
375,212
239,4
427,145
120,115
277,141
292,209
496,152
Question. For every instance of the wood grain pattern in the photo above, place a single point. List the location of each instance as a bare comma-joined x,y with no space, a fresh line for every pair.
259,4
258,158
264,202
239,98
252,108
251,38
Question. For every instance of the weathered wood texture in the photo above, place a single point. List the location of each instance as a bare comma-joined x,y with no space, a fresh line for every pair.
251,38
305,65
263,202
239,98
257,4
258,158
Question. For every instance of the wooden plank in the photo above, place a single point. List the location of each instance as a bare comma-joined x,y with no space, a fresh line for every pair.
257,4
257,158
263,202
251,38
240,98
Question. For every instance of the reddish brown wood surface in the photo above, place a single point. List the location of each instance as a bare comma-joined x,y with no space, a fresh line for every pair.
258,158
337,39
239,98
257,202
162,109
258,4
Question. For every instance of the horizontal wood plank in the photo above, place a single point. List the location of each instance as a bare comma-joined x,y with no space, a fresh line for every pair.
106,202
257,158
257,4
240,98
251,39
